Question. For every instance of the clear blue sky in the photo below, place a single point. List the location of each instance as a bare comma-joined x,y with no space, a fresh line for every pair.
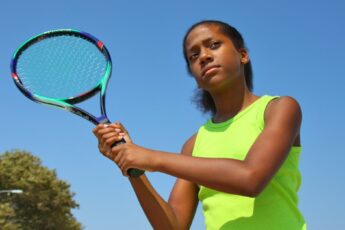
296,47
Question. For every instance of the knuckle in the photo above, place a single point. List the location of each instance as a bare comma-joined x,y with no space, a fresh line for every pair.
109,141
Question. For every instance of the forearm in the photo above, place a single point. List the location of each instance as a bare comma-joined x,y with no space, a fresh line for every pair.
226,175
159,213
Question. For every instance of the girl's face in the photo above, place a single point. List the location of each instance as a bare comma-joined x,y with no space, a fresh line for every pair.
212,57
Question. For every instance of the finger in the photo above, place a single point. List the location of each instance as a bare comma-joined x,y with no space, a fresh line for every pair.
106,130
111,140
121,134
124,133
122,127
114,126
96,129
99,126
117,130
119,126
100,130
110,135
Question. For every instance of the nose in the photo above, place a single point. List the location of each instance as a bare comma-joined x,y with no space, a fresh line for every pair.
205,57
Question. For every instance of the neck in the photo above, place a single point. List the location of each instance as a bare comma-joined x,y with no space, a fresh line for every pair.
231,101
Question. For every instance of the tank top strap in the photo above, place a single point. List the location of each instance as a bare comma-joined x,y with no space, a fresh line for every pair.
263,103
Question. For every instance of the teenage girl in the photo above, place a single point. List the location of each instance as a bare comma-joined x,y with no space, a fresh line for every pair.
242,164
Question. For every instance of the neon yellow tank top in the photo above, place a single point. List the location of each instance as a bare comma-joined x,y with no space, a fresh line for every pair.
276,206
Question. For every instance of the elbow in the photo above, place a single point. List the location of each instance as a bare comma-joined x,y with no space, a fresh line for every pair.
252,192
254,185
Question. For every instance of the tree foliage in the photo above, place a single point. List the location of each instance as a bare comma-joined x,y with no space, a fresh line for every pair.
46,201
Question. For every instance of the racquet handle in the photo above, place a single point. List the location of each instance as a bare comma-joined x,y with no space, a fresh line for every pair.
131,172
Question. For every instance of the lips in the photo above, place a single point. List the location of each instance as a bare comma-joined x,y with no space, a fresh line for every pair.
209,69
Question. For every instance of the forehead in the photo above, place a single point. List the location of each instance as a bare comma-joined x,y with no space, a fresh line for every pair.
202,33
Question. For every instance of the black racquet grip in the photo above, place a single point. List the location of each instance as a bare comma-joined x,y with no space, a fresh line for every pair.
131,172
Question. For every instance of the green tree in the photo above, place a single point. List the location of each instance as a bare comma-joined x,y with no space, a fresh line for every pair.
7,216
46,201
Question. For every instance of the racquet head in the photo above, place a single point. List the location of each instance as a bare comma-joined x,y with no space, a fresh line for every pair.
61,68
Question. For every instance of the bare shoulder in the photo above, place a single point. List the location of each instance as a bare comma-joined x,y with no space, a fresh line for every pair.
284,106
284,114
188,146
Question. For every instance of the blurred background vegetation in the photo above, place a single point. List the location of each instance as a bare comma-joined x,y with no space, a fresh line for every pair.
46,202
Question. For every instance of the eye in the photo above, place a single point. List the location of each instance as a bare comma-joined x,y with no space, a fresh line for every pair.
215,44
193,56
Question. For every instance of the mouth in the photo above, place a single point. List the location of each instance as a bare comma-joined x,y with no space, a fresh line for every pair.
209,70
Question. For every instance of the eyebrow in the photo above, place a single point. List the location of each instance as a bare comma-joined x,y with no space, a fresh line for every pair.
206,40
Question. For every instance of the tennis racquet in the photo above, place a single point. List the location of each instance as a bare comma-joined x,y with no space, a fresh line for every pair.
63,67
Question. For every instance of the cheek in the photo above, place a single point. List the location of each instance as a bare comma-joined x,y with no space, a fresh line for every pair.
192,70
232,62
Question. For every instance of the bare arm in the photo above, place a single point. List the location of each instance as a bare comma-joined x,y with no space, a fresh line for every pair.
179,211
159,213
248,177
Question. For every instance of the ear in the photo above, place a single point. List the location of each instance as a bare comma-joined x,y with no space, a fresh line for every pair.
244,55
